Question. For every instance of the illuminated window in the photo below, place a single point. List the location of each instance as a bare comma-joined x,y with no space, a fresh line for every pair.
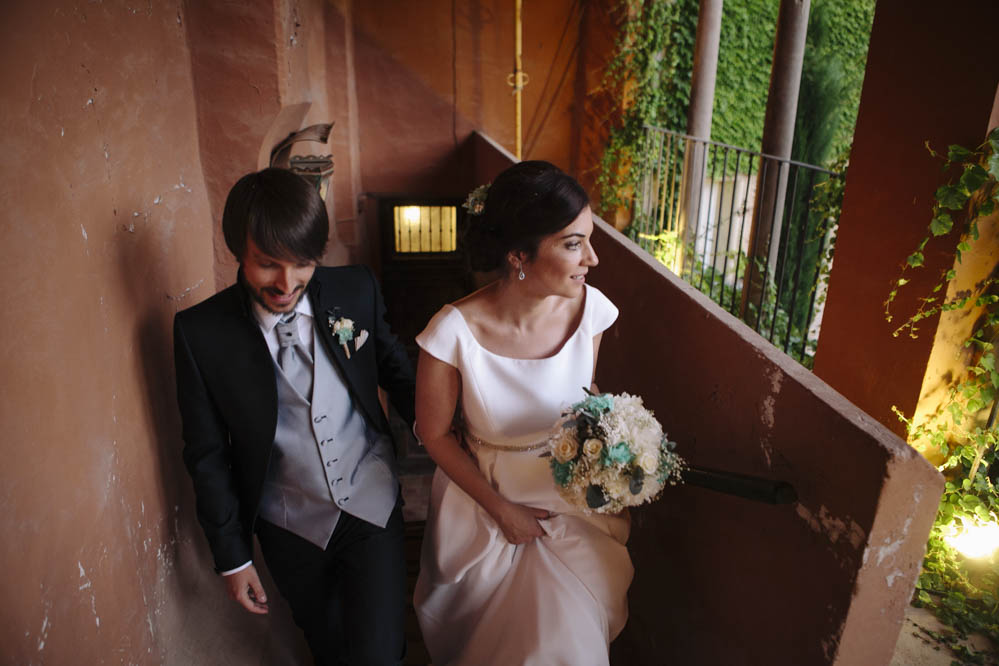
425,228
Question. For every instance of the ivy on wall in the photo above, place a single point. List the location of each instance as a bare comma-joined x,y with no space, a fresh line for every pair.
653,63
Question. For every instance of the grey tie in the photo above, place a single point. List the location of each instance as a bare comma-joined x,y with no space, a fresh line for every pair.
293,357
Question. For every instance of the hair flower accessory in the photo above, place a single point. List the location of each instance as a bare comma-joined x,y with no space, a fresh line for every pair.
342,329
476,201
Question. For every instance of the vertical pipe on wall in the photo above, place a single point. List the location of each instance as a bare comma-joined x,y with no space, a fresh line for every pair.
518,76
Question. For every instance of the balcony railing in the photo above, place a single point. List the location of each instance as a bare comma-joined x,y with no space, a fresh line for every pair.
752,231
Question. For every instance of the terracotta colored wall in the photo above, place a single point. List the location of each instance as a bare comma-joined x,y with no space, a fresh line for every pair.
926,80
108,231
426,79
105,218
125,127
724,580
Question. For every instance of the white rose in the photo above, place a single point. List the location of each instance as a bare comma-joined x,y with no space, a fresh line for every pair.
343,323
592,447
649,462
565,448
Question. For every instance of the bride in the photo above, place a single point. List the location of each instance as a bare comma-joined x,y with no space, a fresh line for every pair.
510,573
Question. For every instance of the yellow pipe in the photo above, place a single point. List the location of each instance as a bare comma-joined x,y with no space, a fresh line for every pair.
518,75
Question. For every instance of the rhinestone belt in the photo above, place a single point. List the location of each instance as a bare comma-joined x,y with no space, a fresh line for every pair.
506,447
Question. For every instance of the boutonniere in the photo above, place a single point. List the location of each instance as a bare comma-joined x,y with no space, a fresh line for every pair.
342,329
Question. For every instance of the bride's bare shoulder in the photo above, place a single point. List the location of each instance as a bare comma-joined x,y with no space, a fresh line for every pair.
476,305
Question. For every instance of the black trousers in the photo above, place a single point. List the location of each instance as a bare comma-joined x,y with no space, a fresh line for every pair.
349,599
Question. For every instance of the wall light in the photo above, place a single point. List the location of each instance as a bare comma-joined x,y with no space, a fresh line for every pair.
978,540
411,214
424,229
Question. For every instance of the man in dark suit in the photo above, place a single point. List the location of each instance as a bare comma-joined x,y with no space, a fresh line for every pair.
277,381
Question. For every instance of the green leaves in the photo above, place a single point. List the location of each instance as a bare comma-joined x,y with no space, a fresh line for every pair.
957,153
973,178
951,196
994,163
941,224
915,259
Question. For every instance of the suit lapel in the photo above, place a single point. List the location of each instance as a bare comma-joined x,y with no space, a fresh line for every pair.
329,302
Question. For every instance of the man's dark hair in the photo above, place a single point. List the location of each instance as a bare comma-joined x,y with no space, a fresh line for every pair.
280,211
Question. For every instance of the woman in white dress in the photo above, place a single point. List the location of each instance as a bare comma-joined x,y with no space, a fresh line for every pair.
510,573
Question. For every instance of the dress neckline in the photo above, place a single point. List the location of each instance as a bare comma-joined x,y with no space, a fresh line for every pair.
570,338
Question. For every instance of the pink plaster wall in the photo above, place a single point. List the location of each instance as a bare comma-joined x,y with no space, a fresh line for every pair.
108,228
125,126
105,228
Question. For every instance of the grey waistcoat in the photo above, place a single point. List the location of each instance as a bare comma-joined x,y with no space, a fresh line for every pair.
326,458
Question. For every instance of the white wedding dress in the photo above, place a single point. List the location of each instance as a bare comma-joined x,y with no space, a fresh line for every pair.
560,599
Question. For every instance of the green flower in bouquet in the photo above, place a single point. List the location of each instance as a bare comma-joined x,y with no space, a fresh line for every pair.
619,454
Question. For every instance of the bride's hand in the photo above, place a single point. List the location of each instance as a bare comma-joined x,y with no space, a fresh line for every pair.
520,523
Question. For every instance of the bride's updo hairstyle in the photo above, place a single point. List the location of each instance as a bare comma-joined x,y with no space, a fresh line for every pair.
525,203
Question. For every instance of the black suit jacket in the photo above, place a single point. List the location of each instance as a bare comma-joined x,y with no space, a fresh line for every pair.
227,392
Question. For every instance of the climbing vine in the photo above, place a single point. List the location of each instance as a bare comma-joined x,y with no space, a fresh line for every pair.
961,590
653,62
650,74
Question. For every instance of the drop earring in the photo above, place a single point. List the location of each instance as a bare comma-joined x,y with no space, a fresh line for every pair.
521,276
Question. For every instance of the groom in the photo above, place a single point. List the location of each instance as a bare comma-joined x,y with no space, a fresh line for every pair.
284,435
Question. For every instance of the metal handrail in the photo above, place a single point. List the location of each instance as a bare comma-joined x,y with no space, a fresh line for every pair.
749,487
745,151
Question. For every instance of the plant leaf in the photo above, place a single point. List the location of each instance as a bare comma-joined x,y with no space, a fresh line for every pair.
974,177
994,162
957,153
951,196
915,259
941,224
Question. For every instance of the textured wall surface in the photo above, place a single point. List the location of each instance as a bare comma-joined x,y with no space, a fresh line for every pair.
125,124
107,232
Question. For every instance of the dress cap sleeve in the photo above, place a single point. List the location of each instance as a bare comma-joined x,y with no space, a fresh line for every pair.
440,337
602,313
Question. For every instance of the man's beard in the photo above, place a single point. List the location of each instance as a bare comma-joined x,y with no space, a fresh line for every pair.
258,296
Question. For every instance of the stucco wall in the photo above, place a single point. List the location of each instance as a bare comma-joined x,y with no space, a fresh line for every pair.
724,580
125,125
107,232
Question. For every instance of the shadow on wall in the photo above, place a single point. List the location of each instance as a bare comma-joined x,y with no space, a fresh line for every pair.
202,625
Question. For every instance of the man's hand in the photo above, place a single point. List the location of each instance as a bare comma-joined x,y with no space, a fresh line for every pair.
245,588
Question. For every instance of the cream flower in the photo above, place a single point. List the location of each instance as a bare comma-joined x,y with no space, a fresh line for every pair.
565,447
592,447
649,462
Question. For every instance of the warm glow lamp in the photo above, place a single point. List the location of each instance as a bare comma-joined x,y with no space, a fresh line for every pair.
411,214
975,541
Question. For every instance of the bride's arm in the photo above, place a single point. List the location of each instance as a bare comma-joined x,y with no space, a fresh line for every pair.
436,398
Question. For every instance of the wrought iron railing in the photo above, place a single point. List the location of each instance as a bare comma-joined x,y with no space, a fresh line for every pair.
752,231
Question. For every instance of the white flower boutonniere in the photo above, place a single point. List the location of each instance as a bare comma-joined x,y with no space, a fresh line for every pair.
342,329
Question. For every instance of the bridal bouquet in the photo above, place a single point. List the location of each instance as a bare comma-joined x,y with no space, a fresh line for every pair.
609,452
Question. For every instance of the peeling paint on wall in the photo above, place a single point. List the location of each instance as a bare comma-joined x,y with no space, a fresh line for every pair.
832,527
768,413
184,294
